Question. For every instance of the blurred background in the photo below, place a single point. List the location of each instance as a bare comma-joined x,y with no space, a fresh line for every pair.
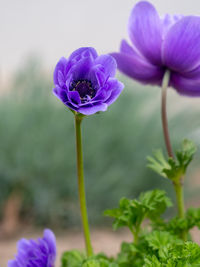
37,149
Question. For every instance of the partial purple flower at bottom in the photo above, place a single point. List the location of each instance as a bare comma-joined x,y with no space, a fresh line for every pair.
36,253
85,82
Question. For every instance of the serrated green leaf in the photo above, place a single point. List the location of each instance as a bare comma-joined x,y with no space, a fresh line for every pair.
112,213
155,202
173,168
91,263
98,262
185,155
187,254
158,163
193,217
73,258
161,241
177,225
152,262
131,213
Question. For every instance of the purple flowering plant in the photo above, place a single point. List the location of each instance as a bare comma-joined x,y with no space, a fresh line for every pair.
159,44
85,82
164,52
36,253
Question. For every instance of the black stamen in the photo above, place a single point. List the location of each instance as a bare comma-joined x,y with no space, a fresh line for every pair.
84,88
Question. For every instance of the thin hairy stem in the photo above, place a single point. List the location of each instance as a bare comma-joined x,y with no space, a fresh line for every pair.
165,84
81,186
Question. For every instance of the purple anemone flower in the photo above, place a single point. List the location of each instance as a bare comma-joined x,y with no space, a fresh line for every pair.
85,82
39,253
158,44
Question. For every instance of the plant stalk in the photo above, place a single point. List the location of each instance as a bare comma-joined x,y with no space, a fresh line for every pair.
165,84
179,198
135,235
178,184
81,186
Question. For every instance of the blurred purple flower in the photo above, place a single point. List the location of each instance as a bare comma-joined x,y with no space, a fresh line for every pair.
85,81
172,42
39,253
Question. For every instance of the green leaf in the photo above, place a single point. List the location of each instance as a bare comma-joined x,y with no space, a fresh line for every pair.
155,202
193,217
73,258
161,241
185,155
186,254
125,215
177,225
173,168
152,262
98,262
158,163
131,213
129,254
91,263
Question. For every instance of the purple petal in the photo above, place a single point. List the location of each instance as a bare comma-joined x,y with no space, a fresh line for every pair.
82,53
127,49
184,86
60,93
132,51
23,244
97,76
101,95
109,65
181,48
168,21
116,88
145,31
194,74
60,71
72,106
137,68
13,263
81,69
61,78
90,109
74,97
50,239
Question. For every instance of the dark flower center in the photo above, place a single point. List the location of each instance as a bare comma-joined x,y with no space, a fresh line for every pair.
84,88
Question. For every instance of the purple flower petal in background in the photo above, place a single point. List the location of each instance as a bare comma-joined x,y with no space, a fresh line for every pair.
36,253
85,82
158,44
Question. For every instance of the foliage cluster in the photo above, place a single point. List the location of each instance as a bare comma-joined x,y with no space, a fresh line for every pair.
155,244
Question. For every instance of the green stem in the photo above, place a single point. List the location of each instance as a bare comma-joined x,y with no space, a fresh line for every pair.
136,236
178,187
135,232
179,198
81,186
178,184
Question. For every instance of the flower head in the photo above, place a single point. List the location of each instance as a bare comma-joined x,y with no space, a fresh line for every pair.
39,253
85,81
172,42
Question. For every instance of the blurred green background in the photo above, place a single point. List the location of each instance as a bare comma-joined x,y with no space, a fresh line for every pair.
37,149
